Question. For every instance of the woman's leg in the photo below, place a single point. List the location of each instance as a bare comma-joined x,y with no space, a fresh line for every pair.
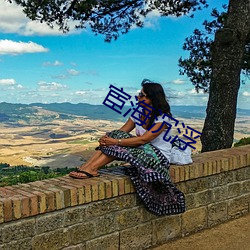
92,159
98,160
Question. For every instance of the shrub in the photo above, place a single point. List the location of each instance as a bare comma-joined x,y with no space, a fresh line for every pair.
22,174
242,142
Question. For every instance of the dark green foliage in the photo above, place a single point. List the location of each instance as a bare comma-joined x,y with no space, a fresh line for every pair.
108,17
23,174
242,142
198,67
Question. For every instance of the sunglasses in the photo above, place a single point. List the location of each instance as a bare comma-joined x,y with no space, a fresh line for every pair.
140,94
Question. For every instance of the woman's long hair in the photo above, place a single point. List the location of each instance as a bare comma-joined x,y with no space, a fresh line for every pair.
160,105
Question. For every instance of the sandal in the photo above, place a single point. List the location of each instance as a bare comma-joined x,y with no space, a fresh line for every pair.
86,176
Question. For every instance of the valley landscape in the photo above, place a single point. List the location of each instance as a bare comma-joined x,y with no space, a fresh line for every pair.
65,135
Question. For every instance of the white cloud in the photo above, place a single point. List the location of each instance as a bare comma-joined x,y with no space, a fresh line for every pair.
10,84
55,63
180,93
13,20
194,92
15,48
7,82
19,86
246,93
178,81
73,72
80,92
60,77
152,20
51,86
186,97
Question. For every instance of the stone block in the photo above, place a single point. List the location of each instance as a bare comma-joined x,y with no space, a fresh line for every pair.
243,160
190,203
59,197
49,222
194,220
16,204
24,244
225,178
182,186
248,159
121,186
1,212
1,235
99,208
224,165
247,172
174,173
240,174
181,174
74,215
197,185
65,197
115,188
87,193
7,209
234,189
107,242
238,206
108,188
18,230
131,217
245,186
128,184
80,233
41,201
220,193
217,213
101,191
105,224
25,207
166,228
204,198
77,247
53,240
136,238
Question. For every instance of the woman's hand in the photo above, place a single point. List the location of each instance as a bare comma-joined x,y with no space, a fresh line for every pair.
107,141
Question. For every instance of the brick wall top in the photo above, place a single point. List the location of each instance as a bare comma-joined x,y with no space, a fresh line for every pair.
25,200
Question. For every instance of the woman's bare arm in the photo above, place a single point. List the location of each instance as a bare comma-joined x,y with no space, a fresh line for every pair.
128,126
136,140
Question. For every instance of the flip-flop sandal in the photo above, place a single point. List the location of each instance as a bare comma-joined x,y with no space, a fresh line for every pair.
87,175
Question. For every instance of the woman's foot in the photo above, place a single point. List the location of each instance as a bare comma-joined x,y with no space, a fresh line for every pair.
83,174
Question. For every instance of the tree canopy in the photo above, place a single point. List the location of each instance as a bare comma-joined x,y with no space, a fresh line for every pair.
108,17
198,66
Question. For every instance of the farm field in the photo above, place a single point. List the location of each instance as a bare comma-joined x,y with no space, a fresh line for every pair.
62,143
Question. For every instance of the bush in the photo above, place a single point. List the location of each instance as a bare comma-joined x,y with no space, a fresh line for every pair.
22,174
242,142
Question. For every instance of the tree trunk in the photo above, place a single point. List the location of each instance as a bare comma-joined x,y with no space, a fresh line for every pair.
227,56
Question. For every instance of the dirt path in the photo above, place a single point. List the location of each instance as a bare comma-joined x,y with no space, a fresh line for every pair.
233,235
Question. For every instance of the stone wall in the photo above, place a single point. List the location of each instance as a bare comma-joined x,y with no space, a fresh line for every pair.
105,212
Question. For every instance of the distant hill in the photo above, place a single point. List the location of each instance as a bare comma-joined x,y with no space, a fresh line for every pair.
45,112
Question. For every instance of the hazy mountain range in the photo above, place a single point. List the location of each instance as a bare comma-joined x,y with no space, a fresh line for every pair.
15,112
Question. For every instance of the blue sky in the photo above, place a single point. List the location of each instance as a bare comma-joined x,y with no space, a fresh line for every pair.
38,64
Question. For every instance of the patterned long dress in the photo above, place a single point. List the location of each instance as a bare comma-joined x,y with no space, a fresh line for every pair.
149,173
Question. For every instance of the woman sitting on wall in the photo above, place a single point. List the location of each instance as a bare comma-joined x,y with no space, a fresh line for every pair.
147,153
